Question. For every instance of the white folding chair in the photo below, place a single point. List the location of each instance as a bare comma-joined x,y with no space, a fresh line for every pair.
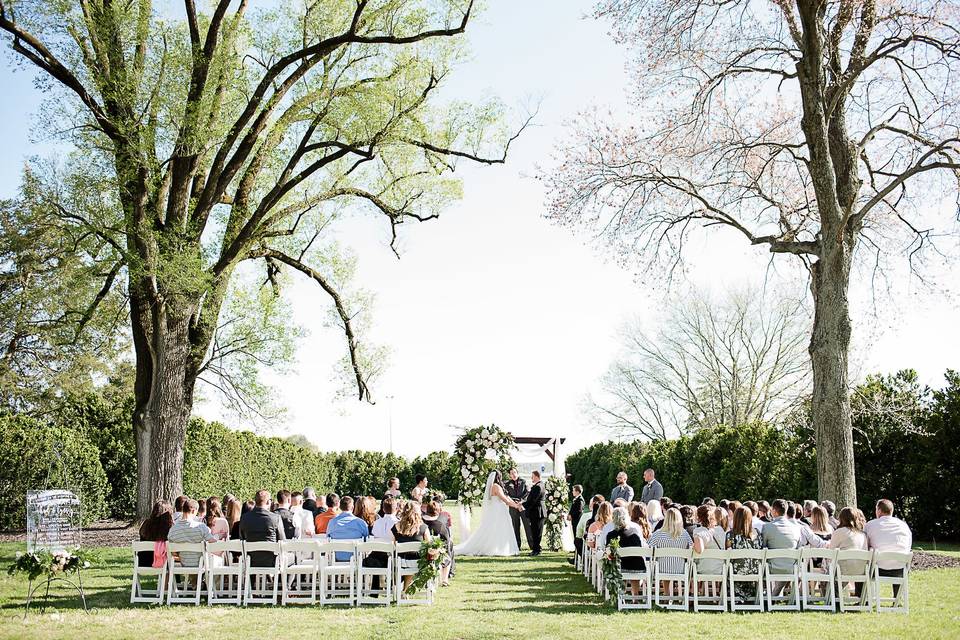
673,578
261,584
367,594
825,576
779,584
184,594
714,582
752,579
403,568
644,600
139,594
863,579
588,557
338,577
597,577
900,602
225,575
299,571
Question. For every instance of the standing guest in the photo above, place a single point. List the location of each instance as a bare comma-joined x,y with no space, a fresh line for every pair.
393,488
654,514
215,520
261,525
366,509
420,489
671,536
831,511
439,529
886,533
178,507
307,528
346,526
652,489
516,490
410,528
190,529
535,512
622,491
292,527
850,535
604,514
155,529
323,519
310,502
573,515
742,536
628,536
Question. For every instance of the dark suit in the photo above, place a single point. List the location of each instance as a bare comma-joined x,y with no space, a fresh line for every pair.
286,518
311,505
516,490
259,525
535,511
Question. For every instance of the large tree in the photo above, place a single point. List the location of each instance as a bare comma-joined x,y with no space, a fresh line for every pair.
209,141
808,127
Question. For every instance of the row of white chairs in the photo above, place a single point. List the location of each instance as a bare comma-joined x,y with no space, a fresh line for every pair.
785,580
303,572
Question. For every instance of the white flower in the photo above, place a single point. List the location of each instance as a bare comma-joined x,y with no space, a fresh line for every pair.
469,458
465,472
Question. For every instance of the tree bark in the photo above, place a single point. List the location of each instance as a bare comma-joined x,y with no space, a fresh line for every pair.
163,391
829,348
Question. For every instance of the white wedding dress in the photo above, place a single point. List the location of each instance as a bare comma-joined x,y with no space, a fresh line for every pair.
494,536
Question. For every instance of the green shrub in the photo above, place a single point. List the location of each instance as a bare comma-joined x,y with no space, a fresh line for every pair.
27,449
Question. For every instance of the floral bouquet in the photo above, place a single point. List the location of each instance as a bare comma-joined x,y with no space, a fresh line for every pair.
610,565
44,562
555,499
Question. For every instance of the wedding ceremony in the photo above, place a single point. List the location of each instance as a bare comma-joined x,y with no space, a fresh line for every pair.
479,319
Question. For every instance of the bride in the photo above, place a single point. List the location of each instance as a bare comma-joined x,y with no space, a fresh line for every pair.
494,536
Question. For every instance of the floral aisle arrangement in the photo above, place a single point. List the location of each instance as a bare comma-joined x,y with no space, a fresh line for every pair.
472,448
610,565
49,564
432,556
555,498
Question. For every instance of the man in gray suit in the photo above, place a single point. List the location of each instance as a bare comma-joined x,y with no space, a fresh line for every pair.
622,491
781,533
652,490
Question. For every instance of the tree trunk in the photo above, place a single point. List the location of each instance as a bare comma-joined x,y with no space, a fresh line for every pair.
163,391
829,348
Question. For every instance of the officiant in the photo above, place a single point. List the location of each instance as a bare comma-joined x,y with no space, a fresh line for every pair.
516,489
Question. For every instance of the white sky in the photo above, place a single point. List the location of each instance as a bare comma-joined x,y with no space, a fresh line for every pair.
493,314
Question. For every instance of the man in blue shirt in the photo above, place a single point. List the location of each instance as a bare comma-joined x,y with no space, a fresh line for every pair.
347,526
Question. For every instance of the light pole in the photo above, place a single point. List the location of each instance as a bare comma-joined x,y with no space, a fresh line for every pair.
390,420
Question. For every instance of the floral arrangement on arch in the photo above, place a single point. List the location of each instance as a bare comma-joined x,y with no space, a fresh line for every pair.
471,449
555,499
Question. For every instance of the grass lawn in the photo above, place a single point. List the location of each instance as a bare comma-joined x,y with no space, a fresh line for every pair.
490,598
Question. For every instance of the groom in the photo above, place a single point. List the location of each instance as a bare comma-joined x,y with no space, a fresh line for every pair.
535,511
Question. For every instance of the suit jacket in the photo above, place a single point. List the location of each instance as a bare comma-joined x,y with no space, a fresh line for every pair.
259,525
534,507
286,519
781,533
622,492
576,509
515,489
653,490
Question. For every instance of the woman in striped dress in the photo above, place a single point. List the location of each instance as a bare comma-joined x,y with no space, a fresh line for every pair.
671,535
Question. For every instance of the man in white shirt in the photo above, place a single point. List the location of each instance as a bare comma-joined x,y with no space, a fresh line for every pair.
383,524
187,529
307,528
886,533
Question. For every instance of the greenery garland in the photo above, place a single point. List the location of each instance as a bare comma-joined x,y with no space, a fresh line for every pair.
44,562
610,565
555,499
432,556
472,448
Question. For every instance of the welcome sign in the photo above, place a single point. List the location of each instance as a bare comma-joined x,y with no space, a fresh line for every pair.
53,520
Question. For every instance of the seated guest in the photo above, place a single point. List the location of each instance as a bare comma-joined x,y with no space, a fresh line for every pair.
201,510
781,533
720,518
323,519
189,529
215,521
410,528
665,503
366,509
393,488
580,531
233,511
850,535
808,506
310,502
638,516
604,514
732,507
155,529
307,529
292,527
755,510
262,525
671,535
820,523
628,536
764,514
709,501
688,514
178,507
742,536
831,513
438,529
886,533
708,536
346,526
654,513
447,517
381,529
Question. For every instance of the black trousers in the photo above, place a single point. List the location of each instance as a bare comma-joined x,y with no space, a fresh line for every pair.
517,519
376,560
892,573
578,547
535,534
